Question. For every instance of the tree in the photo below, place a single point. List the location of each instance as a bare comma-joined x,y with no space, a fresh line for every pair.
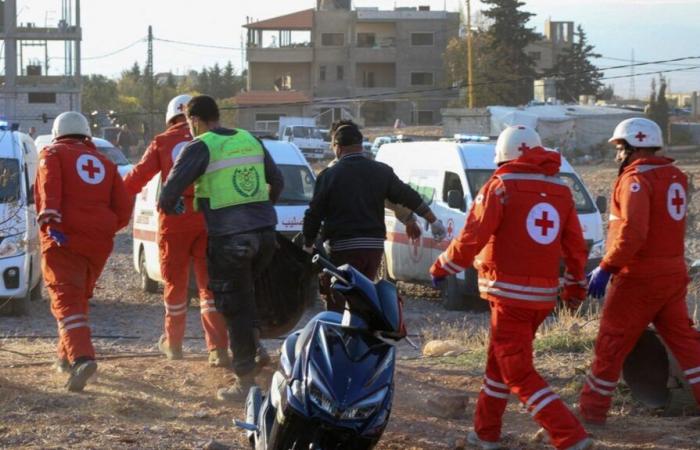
577,74
658,106
98,93
504,71
606,93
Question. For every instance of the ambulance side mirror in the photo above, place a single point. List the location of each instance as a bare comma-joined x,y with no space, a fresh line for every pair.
455,199
602,203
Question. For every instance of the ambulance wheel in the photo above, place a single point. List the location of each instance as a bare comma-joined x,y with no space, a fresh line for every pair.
458,295
148,285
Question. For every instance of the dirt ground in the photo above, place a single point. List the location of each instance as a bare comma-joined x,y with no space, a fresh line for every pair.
140,400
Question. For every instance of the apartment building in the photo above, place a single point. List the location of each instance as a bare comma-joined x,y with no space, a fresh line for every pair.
371,65
33,91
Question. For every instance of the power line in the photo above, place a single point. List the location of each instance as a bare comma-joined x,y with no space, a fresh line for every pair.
112,53
195,44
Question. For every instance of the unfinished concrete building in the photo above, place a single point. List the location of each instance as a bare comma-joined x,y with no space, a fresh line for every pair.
558,36
35,89
370,65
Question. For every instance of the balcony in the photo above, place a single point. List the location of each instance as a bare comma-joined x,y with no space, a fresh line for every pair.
375,54
61,33
297,54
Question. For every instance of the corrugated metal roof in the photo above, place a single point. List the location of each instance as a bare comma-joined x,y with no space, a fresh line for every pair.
300,20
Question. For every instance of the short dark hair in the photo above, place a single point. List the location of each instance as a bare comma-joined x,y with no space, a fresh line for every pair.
203,107
346,133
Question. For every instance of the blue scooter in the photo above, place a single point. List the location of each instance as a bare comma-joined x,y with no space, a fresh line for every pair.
334,387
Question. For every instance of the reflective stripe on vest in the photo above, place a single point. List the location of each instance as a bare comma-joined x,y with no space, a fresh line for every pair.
518,291
532,177
647,167
236,171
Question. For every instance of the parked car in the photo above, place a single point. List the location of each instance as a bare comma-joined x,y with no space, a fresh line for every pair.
299,183
113,153
20,262
448,175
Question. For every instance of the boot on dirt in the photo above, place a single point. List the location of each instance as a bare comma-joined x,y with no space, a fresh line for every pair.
262,358
586,444
219,357
473,439
170,351
61,365
80,373
237,392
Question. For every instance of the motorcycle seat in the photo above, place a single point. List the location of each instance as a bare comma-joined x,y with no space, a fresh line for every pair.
305,335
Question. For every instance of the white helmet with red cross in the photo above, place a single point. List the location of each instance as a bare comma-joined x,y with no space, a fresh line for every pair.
638,132
513,141
70,123
177,106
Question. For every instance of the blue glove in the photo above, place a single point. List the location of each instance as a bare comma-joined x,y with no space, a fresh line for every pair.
436,281
179,206
58,237
598,282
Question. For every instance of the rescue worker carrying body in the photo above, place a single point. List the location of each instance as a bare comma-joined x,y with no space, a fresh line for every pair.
349,200
521,223
81,204
645,259
182,240
236,183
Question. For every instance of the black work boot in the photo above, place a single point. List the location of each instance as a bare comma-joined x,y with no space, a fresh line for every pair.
80,372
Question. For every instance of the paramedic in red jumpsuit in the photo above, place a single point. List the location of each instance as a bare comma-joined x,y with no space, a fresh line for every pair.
522,222
81,204
182,239
646,259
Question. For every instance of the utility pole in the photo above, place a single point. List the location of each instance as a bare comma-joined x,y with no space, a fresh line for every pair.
470,61
149,82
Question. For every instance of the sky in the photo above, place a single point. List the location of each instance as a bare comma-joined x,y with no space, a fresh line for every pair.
654,29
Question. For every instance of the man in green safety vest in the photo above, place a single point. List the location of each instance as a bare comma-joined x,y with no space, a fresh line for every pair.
236,183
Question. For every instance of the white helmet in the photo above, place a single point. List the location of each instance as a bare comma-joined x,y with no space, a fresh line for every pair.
70,122
513,140
177,106
639,132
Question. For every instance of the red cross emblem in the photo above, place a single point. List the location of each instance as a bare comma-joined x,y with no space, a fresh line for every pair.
91,169
181,107
544,223
523,147
641,136
678,201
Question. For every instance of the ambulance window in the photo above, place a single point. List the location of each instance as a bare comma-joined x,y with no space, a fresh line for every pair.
452,183
583,201
477,178
9,180
298,185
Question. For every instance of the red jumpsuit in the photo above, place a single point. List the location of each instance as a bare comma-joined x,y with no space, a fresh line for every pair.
645,253
521,223
83,189
181,239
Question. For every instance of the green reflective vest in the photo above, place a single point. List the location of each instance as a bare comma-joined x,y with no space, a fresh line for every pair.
236,171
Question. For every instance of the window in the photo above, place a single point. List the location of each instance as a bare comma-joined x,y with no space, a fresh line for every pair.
298,185
283,82
340,73
451,183
421,78
9,180
332,39
322,73
422,39
425,117
42,97
366,40
368,79
535,56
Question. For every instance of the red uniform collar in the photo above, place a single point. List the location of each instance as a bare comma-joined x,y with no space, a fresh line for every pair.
178,126
648,161
73,141
534,160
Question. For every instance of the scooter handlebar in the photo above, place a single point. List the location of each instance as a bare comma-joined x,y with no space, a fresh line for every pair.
330,269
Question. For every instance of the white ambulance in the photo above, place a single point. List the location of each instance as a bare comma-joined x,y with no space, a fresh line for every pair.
20,263
448,175
299,182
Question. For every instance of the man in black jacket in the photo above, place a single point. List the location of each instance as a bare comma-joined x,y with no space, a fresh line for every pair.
349,202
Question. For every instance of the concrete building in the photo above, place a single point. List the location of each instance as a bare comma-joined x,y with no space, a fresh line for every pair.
31,94
367,64
557,37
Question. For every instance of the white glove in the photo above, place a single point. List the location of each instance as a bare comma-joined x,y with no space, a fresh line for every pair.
438,230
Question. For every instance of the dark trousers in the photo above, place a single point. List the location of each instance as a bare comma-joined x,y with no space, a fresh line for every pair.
367,261
234,262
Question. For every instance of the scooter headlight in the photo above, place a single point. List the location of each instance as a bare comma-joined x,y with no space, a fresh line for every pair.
13,246
597,250
365,408
322,400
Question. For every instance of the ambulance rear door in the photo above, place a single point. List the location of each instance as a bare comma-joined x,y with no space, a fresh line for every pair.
145,231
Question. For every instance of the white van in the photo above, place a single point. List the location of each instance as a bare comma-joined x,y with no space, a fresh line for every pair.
299,182
20,261
449,175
